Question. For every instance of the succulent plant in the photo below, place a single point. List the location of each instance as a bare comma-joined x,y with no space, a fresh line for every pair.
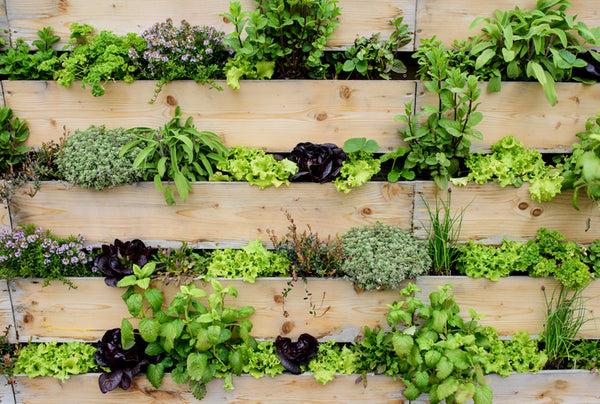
317,162
116,260
295,354
123,364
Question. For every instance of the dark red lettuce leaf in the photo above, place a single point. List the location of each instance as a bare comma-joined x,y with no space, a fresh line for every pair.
292,355
317,162
116,260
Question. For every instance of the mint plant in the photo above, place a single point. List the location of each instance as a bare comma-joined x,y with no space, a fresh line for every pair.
20,63
177,152
198,340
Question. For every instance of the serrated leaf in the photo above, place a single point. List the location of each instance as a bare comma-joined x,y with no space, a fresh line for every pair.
127,337
149,328
483,395
443,368
155,298
155,374
402,344
198,389
196,365
135,304
447,388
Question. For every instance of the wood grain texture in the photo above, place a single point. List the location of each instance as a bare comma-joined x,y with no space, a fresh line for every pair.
450,20
493,213
275,115
288,389
512,304
521,109
122,16
5,32
85,313
216,215
6,392
4,216
6,314
546,386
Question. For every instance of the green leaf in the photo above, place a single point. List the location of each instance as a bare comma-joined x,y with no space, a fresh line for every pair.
155,374
179,374
484,58
128,280
169,196
214,333
182,185
465,392
196,365
202,341
149,328
447,388
483,395
135,304
198,389
402,344
245,311
474,118
127,337
443,368
236,362
155,298
143,283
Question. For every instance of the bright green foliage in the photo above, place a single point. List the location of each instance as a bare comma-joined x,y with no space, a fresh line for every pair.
181,264
95,59
179,153
592,257
19,63
546,255
520,354
59,361
585,354
439,353
13,132
261,360
332,359
382,256
248,263
90,158
541,44
373,58
439,142
375,354
357,170
581,169
284,36
512,164
197,334
255,167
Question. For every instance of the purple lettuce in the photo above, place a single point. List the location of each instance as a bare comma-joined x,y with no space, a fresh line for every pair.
317,162
116,260
292,355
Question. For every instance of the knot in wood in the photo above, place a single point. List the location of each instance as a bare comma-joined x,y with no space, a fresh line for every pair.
171,100
366,211
537,212
278,299
321,116
345,92
523,205
287,327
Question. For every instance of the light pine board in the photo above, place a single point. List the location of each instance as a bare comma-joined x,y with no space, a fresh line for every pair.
216,215
289,389
4,216
450,20
275,115
4,26
122,16
512,304
492,213
6,314
6,392
521,109
547,386
85,313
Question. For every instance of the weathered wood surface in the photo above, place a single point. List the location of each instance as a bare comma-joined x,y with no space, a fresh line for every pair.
26,17
216,215
6,314
512,304
547,386
6,392
275,115
4,26
4,216
493,213
85,313
450,20
289,389
521,109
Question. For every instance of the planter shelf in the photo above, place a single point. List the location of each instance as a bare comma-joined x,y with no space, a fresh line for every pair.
341,312
566,387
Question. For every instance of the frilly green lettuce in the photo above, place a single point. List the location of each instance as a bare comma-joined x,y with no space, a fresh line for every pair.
359,169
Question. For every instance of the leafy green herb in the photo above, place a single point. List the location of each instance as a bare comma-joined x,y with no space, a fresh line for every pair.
57,360
360,166
19,63
13,132
383,256
180,265
520,354
177,152
332,359
255,167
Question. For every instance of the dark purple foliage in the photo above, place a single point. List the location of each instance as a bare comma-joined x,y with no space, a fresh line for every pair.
295,354
317,162
124,364
116,260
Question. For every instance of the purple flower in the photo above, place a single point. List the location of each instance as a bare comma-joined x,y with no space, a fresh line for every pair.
65,261
46,262
74,260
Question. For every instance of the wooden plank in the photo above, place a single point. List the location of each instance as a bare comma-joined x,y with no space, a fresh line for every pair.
289,389
275,115
6,315
216,215
122,16
7,395
512,304
4,216
450,20
521,109
5,32
493,213
546,386
85,313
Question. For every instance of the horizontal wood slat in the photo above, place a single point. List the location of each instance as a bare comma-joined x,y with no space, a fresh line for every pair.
26,17
450,20
6,315
275,115
85,313
4,216
493,213
556,386
289,389
216,215
521,109
7,395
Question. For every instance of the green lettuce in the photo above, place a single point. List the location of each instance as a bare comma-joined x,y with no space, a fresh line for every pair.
332,359
357,170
